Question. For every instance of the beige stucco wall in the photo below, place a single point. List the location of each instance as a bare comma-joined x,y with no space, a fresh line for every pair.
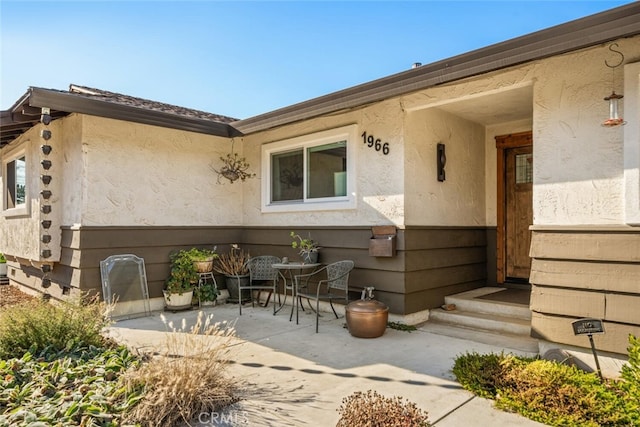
135,174
21,234
460,199
380,178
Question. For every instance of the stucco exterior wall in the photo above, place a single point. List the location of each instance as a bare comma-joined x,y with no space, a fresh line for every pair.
460,199
21,234
380,178
135,174
578,172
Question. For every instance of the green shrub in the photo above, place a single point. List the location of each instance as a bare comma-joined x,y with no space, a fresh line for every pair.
79,389
479,373
370,409
554,393
44,328
558,394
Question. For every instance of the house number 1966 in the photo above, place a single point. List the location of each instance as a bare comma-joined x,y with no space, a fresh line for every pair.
375,143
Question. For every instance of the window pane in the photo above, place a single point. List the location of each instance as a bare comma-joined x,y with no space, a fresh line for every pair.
287,176
327,170
21,181
16,183
524,168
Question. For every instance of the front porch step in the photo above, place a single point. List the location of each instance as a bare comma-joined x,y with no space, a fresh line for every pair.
482,321
519,344
484,315
469,302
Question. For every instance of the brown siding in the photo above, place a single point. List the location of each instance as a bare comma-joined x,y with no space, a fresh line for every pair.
586,272
430,262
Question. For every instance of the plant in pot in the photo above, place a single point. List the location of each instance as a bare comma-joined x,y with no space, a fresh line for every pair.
202,258
234,267
307,247
3,265
183,278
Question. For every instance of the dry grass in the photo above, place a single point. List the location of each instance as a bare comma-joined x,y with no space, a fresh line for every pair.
188,378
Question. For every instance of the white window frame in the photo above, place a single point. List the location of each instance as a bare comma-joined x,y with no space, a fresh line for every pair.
22,209
346,133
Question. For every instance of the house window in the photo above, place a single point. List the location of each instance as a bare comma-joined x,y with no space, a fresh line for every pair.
310,172
15,182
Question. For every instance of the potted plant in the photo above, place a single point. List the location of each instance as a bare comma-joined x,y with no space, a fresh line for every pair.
3,265
307,247
206,293
234,267
183,276
202,258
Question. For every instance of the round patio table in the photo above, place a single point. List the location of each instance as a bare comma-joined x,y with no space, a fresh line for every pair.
288,271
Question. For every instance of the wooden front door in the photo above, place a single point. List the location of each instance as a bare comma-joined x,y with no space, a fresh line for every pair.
515,213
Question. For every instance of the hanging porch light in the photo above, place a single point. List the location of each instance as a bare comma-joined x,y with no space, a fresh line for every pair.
614,118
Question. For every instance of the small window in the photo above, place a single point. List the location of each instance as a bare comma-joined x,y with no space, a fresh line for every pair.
524,168
16,183
304,172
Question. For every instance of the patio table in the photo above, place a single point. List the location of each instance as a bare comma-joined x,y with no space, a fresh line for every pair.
288,271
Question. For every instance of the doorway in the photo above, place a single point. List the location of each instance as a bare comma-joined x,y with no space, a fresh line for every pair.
515,207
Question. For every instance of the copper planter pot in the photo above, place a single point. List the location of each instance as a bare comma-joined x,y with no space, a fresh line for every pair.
367,318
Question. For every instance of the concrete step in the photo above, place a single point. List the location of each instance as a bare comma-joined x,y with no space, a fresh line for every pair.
517,344
469,302
482,321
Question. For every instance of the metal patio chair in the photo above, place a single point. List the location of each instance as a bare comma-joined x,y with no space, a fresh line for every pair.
337,279
262,277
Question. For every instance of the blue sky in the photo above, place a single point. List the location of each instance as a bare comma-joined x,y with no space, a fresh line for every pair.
242,58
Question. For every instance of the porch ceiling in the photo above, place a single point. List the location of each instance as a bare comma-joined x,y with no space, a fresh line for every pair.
491,109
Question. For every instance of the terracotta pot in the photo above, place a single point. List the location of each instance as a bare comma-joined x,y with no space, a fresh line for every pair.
367,318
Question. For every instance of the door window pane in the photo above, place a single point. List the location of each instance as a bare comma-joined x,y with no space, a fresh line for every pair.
524,168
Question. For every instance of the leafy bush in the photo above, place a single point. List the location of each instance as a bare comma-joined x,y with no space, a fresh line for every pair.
558,394
189,378
42,327
374,410
554,393
479,373
80,388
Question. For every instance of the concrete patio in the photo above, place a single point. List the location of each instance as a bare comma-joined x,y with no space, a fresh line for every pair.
297,377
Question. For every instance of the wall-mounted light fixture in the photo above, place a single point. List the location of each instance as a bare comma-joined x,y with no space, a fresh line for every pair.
441,161
614,119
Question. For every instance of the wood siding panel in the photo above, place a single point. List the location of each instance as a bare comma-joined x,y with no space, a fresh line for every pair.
440,260
567,302
620,277
595,245
623,308
586,272
558,329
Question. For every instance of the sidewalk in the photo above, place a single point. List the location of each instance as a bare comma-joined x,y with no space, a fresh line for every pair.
299,378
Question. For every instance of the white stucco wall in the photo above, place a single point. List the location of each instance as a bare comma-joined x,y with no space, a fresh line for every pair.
578,164
460,199
135,174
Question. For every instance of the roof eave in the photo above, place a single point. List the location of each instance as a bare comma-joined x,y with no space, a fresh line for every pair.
610,25
71,103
